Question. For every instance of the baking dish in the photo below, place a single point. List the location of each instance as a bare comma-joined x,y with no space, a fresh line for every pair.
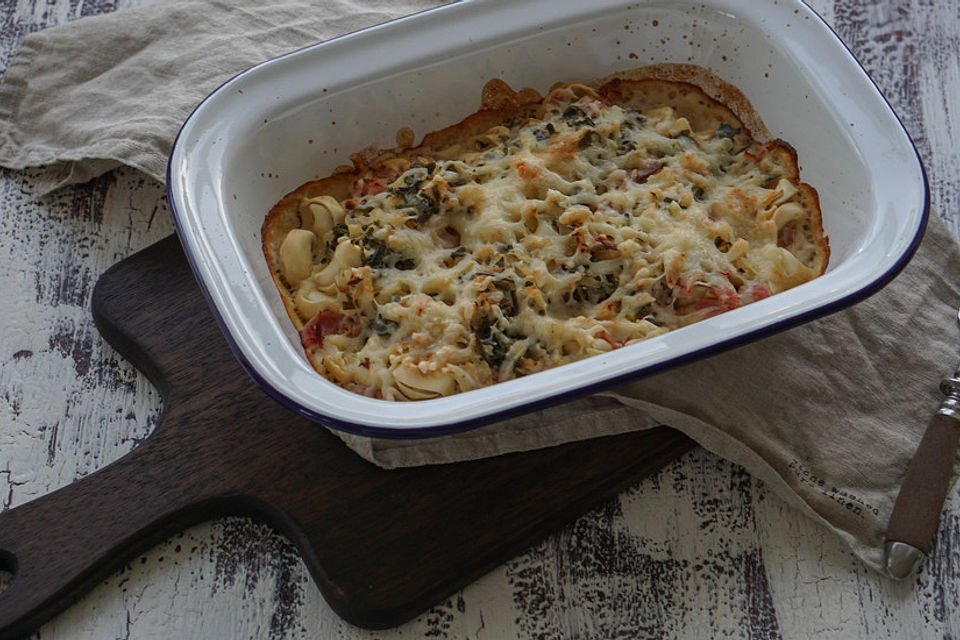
297,117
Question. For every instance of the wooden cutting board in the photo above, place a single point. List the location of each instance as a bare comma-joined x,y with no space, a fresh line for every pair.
382,546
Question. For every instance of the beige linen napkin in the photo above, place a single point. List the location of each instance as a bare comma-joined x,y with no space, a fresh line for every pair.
827,414
84,98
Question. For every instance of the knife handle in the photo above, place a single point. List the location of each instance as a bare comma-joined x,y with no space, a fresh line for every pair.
916,513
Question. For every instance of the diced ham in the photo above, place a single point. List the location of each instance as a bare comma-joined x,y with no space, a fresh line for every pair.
606,337
329,322
786,236
374,183
449,237
760,291
641,174
719,300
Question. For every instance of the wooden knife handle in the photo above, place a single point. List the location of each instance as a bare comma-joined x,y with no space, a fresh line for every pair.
916,512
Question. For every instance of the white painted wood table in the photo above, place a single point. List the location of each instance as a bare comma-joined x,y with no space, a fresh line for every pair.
700,550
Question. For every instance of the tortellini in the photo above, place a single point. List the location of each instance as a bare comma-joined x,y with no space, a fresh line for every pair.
296,255
321,215
416,385
586,221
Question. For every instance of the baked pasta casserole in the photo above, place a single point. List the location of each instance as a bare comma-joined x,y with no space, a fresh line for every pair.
537,232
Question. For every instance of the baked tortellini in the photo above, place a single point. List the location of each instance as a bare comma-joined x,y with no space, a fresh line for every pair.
539,232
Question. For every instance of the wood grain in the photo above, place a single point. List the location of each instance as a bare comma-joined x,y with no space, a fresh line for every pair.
699,550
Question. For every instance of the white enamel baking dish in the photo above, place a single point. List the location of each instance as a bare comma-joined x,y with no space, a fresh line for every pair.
297,117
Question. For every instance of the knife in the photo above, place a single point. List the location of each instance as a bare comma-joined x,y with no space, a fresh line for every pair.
916,513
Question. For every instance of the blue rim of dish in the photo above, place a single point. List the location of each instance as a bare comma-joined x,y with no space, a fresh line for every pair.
413,433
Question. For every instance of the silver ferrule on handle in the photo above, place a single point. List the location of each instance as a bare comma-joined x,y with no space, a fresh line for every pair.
951,388
901,560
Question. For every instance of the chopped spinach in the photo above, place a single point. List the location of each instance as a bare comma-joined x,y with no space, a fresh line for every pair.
575,116
543,133
726,131
383,327
588,139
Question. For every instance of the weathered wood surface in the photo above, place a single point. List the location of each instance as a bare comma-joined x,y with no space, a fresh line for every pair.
700,550
382,546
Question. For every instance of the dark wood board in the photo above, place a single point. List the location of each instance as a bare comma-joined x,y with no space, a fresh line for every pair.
382,546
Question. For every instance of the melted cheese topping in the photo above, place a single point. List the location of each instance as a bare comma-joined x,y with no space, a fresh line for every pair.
569,230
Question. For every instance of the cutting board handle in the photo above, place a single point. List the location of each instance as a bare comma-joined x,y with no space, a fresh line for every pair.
382,546
60,545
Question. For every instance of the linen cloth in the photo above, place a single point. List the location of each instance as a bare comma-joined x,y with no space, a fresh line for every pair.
828,414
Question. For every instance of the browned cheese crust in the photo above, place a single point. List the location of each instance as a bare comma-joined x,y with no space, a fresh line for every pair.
540,231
